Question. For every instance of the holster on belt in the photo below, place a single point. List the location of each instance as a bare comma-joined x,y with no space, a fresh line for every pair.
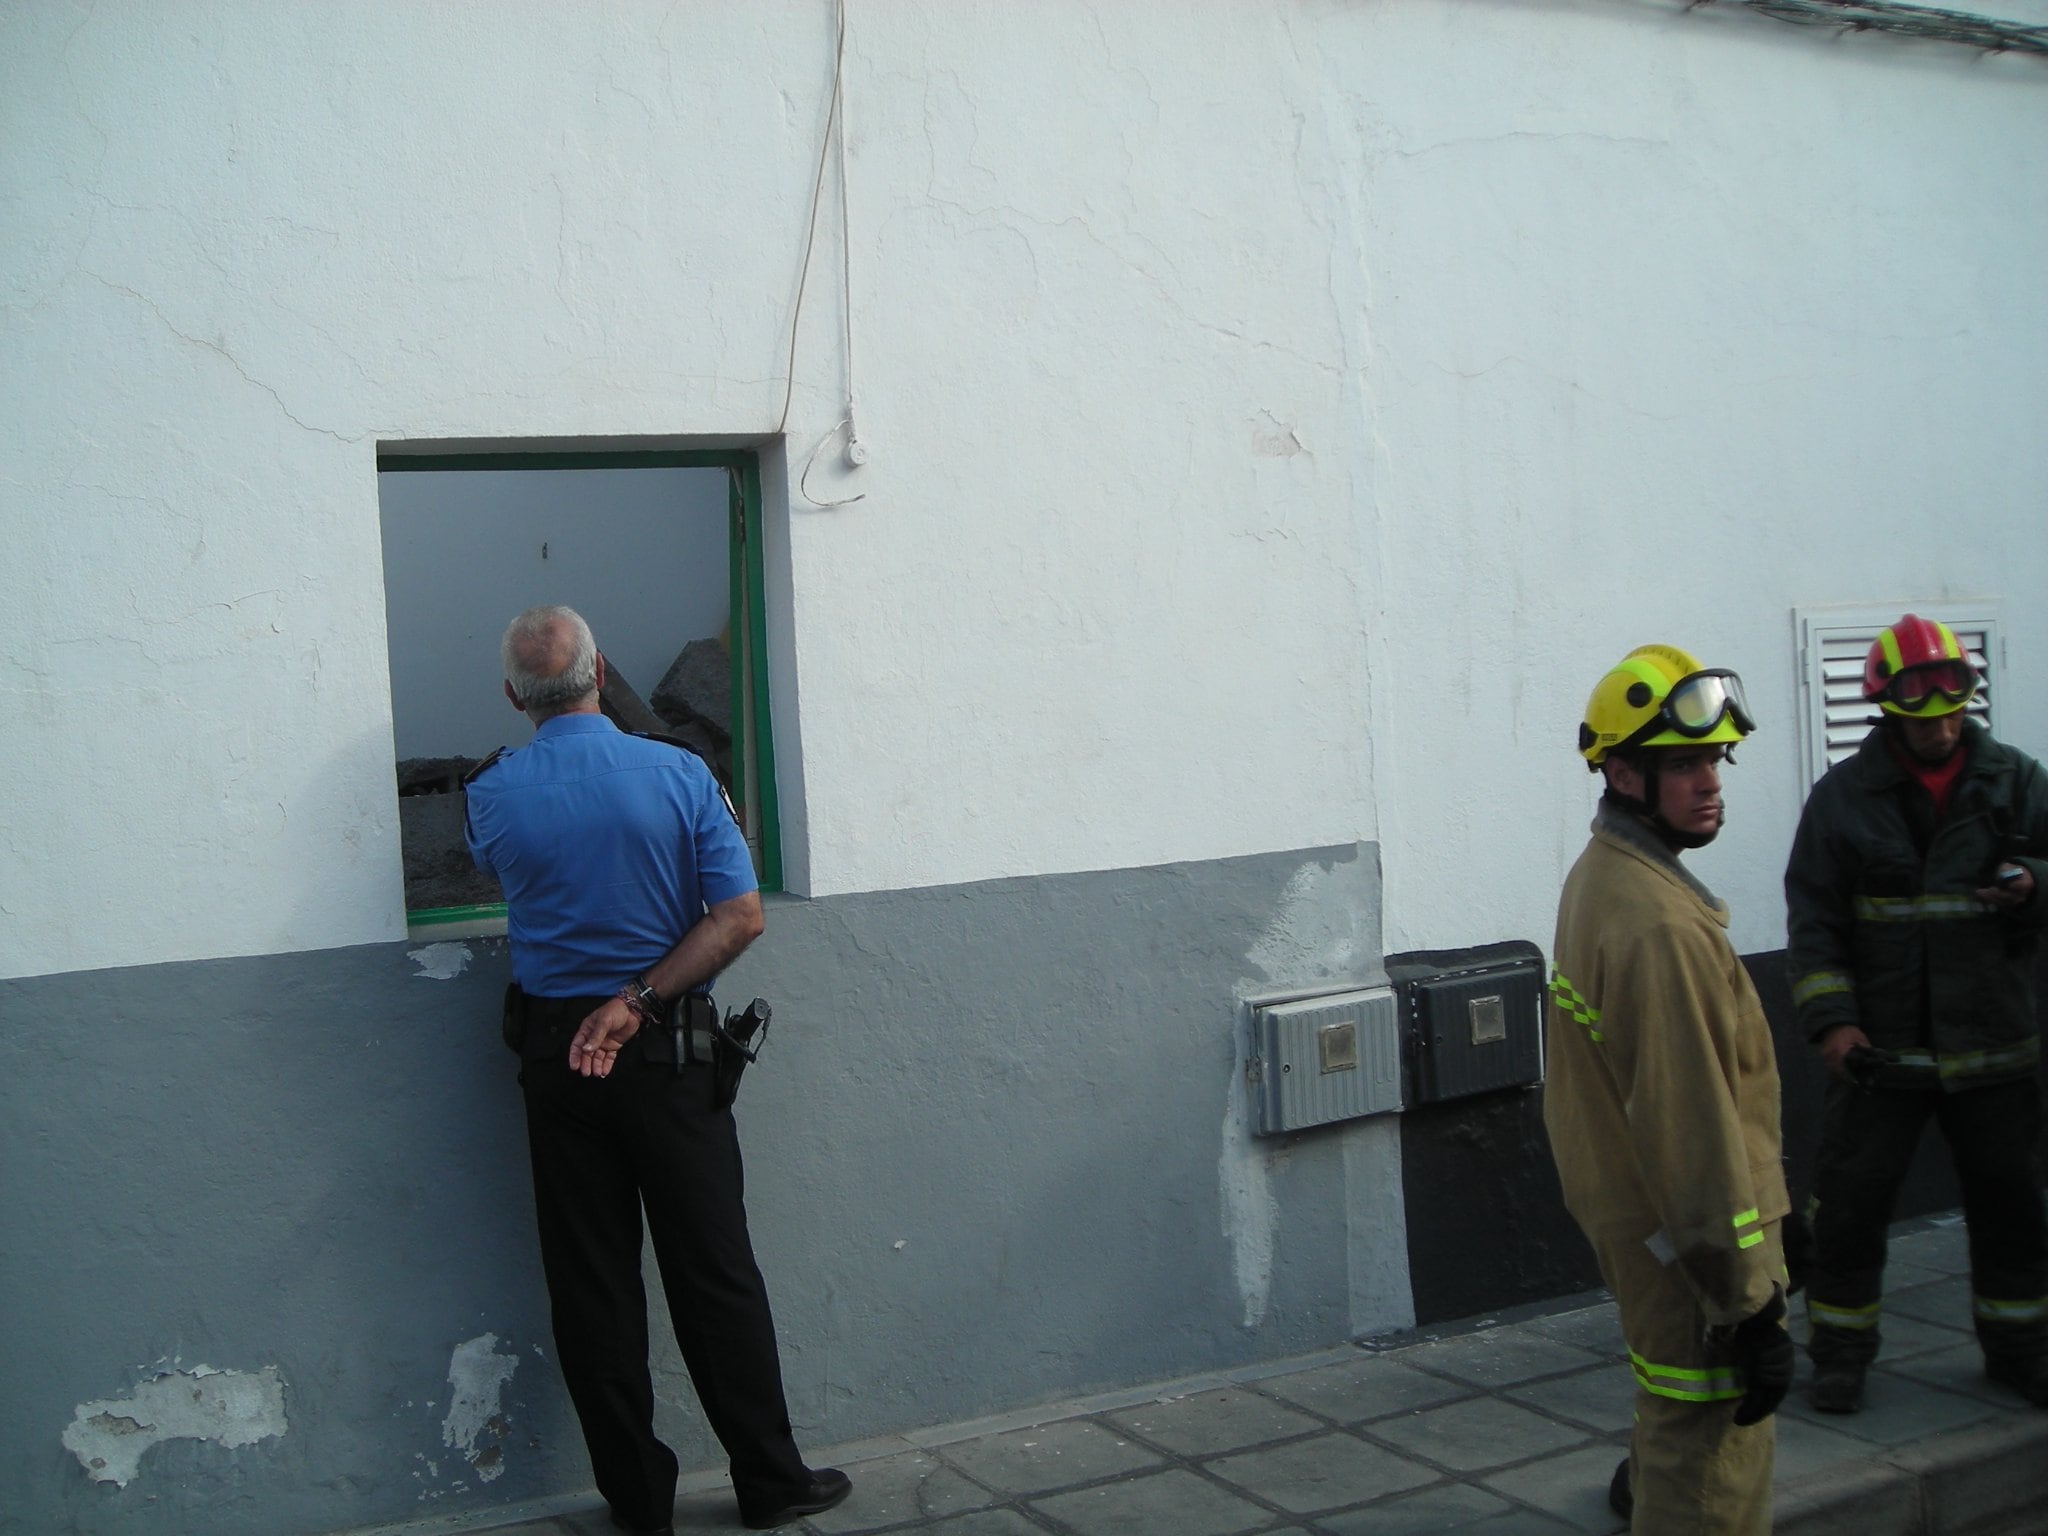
739,1041
689,1035
685,1036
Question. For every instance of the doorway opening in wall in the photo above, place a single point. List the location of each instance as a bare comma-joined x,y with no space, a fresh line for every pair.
659,550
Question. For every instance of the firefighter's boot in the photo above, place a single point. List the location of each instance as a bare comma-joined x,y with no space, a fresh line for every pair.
1837,1386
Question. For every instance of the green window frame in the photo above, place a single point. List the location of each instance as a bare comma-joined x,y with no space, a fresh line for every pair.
753,746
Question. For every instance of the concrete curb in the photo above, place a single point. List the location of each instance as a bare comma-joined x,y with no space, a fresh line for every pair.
1986,1479
1982,1478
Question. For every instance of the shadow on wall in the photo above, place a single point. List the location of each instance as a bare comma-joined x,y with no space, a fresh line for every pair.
1487,1227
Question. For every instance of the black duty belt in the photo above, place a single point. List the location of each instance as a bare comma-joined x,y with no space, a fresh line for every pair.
541,1027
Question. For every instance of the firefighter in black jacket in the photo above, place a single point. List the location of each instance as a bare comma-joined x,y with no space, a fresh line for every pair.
1914,918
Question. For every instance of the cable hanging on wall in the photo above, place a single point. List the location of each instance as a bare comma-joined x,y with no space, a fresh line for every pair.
855,453
1925,21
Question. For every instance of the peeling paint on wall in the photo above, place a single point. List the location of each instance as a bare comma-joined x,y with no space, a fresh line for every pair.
1325,930
230,1408
440,962
1249,1215
474,1425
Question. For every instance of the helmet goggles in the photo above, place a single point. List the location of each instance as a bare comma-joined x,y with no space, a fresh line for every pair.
1938,685
1697,705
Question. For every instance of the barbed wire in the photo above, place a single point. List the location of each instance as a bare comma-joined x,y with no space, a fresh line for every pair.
1926,21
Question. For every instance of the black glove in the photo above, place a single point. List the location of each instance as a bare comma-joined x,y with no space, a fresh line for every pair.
1866,1065
1762,1351
1798,1240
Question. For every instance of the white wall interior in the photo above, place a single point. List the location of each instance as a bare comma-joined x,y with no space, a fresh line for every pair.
640,553
1277,415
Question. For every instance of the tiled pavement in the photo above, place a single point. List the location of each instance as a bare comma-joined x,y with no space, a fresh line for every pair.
1501,1426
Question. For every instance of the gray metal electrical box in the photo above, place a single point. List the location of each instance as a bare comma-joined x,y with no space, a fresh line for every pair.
1320,1059
1473,1019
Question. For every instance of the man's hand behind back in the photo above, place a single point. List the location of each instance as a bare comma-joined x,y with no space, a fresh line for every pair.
596,1044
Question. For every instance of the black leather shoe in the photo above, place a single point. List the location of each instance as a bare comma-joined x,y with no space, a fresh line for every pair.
666,1528
828,1486
1621,1494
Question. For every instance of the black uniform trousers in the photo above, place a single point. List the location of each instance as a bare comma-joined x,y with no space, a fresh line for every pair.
1868,1136
648,1136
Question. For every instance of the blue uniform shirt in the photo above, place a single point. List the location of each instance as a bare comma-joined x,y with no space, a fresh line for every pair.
609,847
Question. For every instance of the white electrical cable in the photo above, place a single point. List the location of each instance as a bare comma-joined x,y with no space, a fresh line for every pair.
835,124
803,484
856,454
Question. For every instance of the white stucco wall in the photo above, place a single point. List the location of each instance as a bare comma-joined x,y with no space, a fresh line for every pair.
1278,414
1680,320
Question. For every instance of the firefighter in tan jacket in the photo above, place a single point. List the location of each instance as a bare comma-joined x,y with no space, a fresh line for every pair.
1662,1104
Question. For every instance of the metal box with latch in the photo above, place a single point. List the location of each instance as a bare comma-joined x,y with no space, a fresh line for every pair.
1471,1019
1320,1059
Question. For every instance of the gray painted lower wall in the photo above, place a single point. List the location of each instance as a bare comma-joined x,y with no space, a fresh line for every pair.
259,1212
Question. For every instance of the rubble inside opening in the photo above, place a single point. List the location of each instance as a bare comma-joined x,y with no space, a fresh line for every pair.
691,704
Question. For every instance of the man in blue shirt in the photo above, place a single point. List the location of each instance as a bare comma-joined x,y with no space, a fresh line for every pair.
628,886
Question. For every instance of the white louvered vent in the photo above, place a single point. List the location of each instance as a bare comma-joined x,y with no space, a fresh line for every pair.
1832,645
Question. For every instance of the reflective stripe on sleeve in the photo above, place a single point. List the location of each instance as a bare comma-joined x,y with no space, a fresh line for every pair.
1820,984
1567,998
1748,1230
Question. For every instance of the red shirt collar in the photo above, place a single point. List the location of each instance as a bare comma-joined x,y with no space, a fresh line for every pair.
1938,779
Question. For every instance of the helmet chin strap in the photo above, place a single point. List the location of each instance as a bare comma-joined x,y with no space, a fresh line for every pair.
1678,839
1648,810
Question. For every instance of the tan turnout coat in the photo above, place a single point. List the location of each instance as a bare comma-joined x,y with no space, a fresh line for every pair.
1662,1092
1662,1105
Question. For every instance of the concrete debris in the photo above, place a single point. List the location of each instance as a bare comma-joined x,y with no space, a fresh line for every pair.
624,707
432,775
697,687
692,704
438,869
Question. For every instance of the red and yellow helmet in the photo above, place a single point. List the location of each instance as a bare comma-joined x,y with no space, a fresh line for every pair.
1918,668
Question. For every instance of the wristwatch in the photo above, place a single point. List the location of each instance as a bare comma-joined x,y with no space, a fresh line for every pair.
642,999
